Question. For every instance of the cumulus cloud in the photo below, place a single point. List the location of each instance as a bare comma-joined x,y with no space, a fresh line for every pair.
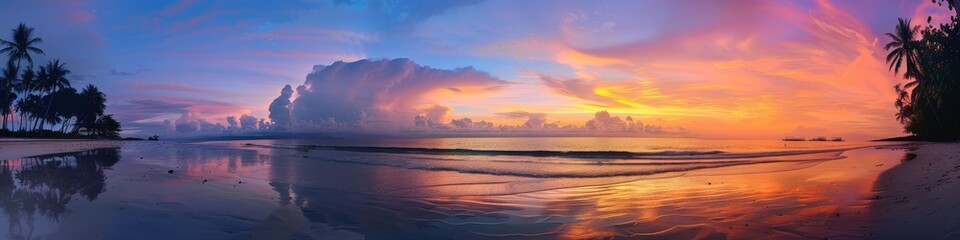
436,113
233,122
467,123
248,122
280,107
386,92
602,120
534,120
190,123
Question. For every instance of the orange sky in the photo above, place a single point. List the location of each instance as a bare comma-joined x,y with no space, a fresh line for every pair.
724,69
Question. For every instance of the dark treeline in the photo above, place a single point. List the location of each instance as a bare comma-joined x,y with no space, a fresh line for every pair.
928,103
39,101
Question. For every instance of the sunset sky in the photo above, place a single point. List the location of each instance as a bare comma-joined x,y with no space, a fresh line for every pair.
731,69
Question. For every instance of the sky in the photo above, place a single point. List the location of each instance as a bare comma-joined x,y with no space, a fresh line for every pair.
716,69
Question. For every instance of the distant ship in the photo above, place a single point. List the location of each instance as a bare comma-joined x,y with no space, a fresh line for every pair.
794,139
836,139
819,139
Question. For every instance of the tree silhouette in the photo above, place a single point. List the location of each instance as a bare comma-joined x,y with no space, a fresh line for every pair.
56,79
927,104
92,105
7,96
19,48
22,45
23,87
906,50
45,97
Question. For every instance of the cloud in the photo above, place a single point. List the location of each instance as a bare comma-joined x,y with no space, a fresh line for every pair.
385,92
436,113
602,123
578,88
602,120
190,123
233,122
168,86
467,123
194,124
534,120
172,115
116,72
147,109
248,122
280,107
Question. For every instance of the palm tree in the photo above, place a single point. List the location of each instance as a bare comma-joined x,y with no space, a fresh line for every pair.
29,105
27,81
22,45
92,105
107,127
906,51
903,104
67,107
7,96
56,79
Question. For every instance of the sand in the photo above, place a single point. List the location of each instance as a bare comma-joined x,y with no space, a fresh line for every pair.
920,198
241,193
18,148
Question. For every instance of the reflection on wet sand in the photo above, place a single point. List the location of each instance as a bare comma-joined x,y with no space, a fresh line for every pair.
220,193
42,186
811,200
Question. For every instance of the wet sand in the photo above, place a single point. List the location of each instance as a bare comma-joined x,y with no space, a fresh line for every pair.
11,148
918,198
128,191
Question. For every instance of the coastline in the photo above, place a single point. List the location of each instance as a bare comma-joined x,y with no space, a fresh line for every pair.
13,148
917,195
811,197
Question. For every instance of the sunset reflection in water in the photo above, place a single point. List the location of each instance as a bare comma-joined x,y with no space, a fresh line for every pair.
813,199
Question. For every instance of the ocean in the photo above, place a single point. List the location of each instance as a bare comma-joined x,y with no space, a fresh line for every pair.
451,188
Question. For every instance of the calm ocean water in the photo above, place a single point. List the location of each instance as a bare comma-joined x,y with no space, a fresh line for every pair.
447,188
575,144
564,157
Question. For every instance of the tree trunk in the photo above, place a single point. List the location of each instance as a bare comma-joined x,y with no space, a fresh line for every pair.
47,112
36,120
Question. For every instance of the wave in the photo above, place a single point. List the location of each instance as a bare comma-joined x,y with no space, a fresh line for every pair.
554,164
665,155
578,173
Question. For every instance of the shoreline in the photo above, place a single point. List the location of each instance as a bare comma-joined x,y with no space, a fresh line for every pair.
20,147
918,191
900,199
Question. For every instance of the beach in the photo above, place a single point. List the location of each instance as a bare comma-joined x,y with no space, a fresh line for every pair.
266,190
917,198
18,148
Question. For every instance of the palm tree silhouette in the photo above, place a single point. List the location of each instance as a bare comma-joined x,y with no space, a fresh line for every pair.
56,79
906,51
18,49
92,105
7,96
24,86
28,105
22,45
